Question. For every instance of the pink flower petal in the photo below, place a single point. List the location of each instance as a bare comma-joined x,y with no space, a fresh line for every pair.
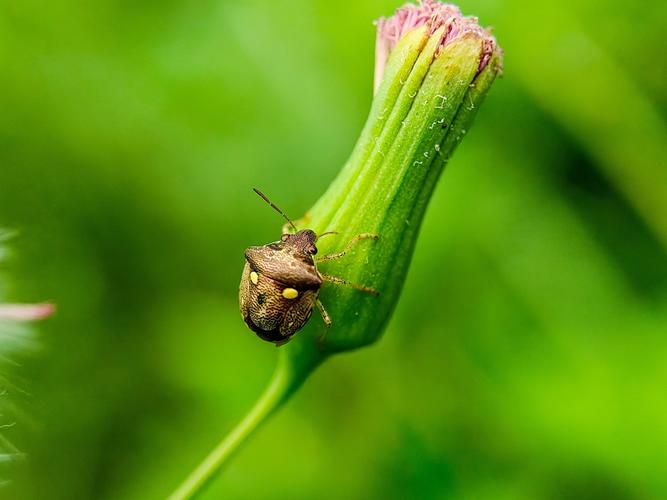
26,312
434,14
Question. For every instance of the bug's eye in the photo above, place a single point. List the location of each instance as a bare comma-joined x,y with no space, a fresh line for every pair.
312,250
284,237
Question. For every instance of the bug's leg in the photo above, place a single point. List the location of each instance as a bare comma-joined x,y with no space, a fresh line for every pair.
341,281
327,321
353,241
325,315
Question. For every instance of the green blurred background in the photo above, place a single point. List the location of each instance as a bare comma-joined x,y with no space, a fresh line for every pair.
528,355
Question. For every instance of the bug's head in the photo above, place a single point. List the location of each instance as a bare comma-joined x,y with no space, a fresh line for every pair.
303,241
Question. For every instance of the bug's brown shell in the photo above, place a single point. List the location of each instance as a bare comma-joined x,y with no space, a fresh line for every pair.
278,266
278,262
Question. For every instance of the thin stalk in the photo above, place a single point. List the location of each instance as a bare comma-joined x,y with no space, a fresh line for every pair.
272,398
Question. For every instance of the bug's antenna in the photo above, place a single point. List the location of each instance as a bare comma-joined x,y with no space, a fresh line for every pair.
326,234
263,196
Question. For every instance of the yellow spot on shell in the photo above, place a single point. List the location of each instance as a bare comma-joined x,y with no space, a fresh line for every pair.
290,293
254,277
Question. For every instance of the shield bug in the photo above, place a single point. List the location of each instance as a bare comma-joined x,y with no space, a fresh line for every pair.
281,283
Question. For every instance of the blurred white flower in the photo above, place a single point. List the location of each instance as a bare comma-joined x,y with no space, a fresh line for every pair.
15,336
25,312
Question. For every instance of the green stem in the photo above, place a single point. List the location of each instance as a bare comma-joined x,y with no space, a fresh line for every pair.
274,395
288,376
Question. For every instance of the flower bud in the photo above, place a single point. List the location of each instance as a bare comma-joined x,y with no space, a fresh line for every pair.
433,68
